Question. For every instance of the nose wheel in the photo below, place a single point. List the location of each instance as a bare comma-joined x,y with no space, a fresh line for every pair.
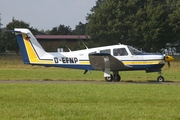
160,79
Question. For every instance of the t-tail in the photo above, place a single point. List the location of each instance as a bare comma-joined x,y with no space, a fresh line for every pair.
31,51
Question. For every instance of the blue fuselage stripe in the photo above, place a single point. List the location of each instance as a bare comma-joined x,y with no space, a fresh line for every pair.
83,67
89,67
144,67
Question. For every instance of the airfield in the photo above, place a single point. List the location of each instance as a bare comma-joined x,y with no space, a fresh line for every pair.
79,100
86,82
35,92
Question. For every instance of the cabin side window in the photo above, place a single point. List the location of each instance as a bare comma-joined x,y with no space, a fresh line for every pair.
105,51
92,52
120,52
101,51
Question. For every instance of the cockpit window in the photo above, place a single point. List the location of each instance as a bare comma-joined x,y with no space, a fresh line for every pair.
120,52
134,51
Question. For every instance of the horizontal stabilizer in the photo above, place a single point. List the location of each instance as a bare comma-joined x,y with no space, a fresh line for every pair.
14,31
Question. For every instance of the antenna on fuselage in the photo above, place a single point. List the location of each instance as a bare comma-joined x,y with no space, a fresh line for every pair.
85,45
68,48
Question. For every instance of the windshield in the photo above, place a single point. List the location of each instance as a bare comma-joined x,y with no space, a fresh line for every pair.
134,51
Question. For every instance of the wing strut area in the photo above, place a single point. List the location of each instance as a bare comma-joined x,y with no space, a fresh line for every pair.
100,61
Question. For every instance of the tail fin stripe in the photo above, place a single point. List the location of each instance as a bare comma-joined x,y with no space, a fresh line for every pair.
22,49
33,54
37,53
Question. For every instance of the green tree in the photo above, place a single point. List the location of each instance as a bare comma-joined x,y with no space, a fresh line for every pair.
146,24
156,31
1,43
174,19
61,30
152,30
35,31
108,23
9,40
80,29
0,25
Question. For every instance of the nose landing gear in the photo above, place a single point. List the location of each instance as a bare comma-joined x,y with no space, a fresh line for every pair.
160,78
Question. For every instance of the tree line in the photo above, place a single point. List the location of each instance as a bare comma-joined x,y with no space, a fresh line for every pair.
142,23
146,24
8,40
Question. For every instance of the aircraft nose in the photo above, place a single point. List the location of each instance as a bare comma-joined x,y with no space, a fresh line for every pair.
168,58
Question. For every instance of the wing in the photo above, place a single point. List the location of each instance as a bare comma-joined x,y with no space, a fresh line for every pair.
100,61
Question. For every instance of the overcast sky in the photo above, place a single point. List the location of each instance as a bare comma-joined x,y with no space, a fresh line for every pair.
46,14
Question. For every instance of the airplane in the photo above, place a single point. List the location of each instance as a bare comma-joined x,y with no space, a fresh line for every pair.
109,59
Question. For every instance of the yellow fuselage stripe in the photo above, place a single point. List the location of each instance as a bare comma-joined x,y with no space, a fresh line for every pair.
85,62
143,62
133,62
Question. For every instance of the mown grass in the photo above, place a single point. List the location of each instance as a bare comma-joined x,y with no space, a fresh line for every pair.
44,100
12,68
85,101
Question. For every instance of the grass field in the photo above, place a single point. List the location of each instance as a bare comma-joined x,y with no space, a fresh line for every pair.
84,101
44,100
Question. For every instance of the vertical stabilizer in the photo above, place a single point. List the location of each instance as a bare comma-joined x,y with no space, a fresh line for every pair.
30,49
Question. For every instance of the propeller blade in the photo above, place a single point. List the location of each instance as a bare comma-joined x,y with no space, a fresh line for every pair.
168,64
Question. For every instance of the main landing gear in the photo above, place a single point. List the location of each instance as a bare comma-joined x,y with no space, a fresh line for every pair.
115,77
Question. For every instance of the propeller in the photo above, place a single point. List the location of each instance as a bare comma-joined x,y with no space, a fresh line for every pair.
168,59
169,64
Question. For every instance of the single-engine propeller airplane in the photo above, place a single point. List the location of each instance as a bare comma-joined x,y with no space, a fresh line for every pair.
109,59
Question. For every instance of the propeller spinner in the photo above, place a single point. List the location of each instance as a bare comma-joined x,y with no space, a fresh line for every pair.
168,59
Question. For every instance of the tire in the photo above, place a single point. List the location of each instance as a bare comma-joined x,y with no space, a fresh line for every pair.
160,79
109,79
117,78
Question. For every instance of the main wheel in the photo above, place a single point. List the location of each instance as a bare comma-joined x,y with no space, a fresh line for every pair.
117,78
160,79
109,79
